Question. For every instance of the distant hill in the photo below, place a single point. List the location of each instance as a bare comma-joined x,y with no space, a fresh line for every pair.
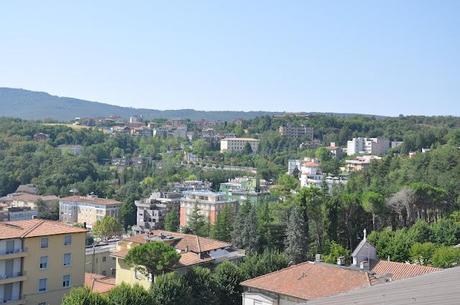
25,104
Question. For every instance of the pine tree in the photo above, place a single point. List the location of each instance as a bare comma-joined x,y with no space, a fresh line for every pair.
172,221
238,225
249,233
296,241
223,227
197,223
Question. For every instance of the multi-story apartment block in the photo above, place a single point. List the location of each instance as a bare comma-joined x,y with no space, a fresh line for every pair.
238,144
293,131
40,260
190,185
87,209
244,189
371,146
209,205
151,211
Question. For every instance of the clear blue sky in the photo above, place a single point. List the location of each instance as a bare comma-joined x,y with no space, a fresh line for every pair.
382,57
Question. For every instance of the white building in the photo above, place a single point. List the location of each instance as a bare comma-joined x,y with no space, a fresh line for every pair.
372,146
238,144
310,173
359,163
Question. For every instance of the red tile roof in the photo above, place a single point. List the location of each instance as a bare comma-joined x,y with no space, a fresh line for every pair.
398,271
99,283
186,242
35,228
310,280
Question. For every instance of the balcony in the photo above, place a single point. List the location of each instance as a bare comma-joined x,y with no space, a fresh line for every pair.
13,254
12,278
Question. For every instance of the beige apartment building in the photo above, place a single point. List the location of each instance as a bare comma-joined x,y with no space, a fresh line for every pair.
40,261
238,144
209,204
87,209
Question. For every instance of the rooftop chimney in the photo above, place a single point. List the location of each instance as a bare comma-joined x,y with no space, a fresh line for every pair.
341,261
318,258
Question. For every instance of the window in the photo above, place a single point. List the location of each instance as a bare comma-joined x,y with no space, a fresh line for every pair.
67,259
43,262
66,280
67,239
104,258
42,285
42,303
44,242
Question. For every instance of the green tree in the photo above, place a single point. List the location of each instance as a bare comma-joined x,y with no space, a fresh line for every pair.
296,241
170,289
197,223
107,227
336,251
203,289
125,294
48,210
422,253
83,296
223,227
373,203
247,150
228,278
259,264
250,238
446,257
172,221
238,224
152,258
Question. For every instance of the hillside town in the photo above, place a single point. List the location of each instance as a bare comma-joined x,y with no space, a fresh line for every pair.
199,211
230,152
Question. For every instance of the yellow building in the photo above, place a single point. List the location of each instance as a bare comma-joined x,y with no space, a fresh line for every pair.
194,250
87,209
40,260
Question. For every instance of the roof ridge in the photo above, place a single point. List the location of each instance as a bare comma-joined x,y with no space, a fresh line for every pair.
39,223
277,271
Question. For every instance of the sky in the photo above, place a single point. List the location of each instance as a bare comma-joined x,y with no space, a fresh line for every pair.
385,57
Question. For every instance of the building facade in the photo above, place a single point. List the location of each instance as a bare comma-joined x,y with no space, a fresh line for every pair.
98,259
242,189
238,144
151,211
87,209
371,146
40,261
209,205
292,131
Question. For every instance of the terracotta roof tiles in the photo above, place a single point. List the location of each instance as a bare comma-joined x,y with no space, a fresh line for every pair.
310,280
398,271
99,283
35,228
